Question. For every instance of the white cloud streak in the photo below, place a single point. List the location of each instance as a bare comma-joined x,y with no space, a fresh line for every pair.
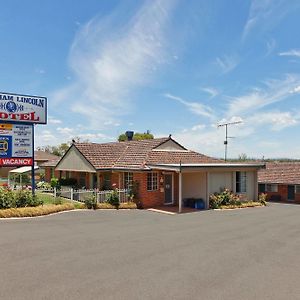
265,14
227,63
292,52
213,92
195,107
112,58
275,91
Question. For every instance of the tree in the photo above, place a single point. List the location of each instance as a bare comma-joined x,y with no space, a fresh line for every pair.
61,149
243,157
137,136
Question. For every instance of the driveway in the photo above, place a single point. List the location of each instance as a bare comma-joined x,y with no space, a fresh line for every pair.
238,254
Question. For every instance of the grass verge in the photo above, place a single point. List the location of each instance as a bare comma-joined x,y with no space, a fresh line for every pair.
34,211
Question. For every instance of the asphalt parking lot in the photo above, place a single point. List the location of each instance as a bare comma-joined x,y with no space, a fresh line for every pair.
238,254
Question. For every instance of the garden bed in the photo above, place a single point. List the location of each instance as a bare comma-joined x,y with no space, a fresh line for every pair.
35,211
242,205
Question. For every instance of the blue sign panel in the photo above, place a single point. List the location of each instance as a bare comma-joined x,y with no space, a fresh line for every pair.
5,146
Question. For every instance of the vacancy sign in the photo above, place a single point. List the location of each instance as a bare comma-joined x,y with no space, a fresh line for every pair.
16,145
23,108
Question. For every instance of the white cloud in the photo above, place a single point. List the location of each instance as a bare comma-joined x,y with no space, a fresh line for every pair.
227,63
274,91
112,57
40,71
293,52
259,10
65,131
198,127
52,120
271,44
195,107
213,92
295,90
265,14
277,120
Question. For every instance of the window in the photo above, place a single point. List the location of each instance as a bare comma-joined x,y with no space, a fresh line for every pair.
128,180
241,182
67,174
152,181
297,189
106,181
273,188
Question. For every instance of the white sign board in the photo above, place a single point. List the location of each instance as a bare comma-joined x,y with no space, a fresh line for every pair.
16,144
23,108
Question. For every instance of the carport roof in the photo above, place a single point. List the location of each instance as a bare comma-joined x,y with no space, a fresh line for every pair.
184,166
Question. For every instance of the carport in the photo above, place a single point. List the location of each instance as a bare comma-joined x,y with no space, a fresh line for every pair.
201,180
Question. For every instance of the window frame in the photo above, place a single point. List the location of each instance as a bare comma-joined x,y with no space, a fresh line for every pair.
152,181
297,188
128,180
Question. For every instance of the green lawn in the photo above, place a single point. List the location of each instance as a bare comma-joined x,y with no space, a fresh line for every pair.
50,199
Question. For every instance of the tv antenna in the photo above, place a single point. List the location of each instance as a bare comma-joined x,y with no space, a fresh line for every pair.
226,134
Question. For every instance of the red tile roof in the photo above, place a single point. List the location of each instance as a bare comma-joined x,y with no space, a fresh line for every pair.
44,156
175,157
51,163
137,154
280,172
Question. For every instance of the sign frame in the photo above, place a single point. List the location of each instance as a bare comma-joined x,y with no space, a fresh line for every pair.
14,109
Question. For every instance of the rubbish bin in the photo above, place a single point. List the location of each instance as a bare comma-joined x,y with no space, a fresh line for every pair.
199,204
191,202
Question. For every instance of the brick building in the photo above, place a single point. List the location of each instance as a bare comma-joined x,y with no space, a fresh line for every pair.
164,171
280,181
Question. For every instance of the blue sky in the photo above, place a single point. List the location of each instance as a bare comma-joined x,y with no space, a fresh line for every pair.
168,66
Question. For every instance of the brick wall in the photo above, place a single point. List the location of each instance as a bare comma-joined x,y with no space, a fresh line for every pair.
283,192
148,198
48,172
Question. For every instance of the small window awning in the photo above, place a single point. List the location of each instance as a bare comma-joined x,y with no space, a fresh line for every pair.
23,170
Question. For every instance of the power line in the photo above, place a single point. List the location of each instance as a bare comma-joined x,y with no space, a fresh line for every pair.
226,134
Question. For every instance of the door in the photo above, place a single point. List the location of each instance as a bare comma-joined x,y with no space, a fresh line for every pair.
291,192
168,188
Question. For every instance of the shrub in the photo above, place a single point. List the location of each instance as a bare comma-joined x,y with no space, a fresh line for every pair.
54,182
43,185
91,202
262,198
15,199
224,198
113,199
67,181
7,198
24,198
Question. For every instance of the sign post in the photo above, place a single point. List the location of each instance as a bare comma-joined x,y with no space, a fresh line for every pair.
18,115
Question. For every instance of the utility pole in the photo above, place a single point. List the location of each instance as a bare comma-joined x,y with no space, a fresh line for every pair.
226,134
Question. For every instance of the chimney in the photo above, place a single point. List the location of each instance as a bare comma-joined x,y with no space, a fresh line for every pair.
129,135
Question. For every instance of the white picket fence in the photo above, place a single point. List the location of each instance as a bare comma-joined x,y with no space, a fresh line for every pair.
81,195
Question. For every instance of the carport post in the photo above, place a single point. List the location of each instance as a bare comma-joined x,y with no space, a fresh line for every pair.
180,190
